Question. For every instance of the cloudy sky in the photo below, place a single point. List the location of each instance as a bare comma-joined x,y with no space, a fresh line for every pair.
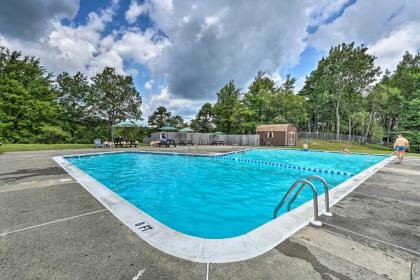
180,52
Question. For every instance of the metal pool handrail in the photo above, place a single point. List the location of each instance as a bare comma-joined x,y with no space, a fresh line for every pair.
326,192
315,199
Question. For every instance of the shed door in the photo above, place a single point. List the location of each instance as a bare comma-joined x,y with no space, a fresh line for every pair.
292,139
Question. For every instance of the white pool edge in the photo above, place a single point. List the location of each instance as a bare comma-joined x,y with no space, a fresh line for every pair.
249,245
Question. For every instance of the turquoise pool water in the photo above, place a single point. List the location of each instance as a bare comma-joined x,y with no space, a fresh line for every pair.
212,197
317,161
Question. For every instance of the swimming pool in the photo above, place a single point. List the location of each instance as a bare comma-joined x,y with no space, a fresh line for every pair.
215,197
200,195
316,161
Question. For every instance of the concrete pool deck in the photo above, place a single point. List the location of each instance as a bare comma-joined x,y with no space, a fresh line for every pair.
51,228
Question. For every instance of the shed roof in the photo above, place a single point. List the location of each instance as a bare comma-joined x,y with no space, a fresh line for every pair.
273,127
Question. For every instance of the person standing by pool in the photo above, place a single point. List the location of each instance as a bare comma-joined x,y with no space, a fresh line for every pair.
305,147
400,146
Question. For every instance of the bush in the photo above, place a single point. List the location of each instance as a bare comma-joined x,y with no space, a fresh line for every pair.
414,138
53,135
377,133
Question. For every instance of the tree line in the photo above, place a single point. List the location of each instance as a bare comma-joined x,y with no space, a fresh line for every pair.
345,94
36,107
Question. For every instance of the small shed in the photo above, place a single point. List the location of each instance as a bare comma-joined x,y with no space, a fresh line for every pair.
277,134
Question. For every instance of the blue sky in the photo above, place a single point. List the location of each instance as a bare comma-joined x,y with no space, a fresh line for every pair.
181,52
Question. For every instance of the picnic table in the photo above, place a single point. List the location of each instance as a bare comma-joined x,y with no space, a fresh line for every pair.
125,144
218,142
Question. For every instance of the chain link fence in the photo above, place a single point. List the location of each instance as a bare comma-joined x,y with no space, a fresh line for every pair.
332,136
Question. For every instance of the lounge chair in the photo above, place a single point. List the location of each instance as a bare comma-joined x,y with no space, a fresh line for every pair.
98,143
164,142
167,143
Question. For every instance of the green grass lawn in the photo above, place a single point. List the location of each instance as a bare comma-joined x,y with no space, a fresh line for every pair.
39,147
316,144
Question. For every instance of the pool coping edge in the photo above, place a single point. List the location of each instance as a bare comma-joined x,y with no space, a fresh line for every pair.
172,242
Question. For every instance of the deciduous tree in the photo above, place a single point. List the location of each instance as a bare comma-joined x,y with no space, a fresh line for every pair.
27,99
113,97
73,92
346,70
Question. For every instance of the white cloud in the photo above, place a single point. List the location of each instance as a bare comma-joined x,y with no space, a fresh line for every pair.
389,50
131,45
140,46
388,28
135,10
300,82
213,42
67,48
222,41
187,108
84,48
74,47
110,58
148,85
275,76
30,19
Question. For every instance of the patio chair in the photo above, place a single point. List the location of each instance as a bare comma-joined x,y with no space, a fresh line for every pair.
98,143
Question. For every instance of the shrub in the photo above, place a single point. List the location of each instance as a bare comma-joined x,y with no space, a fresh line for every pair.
377,133
414,138
52,135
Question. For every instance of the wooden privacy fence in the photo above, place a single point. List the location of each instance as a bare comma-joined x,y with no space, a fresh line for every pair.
208,138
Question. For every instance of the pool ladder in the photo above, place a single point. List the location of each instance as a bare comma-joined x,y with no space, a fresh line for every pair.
195,149
303,183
